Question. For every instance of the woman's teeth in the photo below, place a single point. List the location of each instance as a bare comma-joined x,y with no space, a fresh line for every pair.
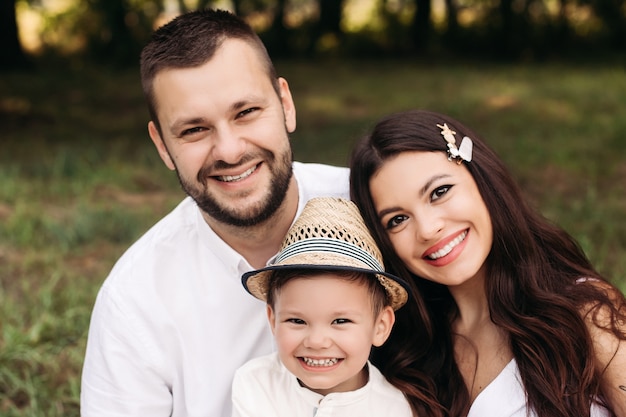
320,362
231,178
448,248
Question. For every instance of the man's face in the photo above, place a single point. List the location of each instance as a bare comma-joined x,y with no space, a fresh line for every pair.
225,132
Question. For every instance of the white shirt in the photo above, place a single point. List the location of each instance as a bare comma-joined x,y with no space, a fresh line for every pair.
505,396
263,387
172,322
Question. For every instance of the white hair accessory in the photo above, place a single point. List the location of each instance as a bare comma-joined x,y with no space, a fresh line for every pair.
464,152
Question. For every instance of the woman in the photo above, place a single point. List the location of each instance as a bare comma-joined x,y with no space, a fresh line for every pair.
510,317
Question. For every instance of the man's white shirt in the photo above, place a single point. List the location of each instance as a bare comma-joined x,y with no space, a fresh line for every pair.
172,322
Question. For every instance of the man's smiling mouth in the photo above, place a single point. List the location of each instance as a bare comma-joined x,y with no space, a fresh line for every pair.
233,178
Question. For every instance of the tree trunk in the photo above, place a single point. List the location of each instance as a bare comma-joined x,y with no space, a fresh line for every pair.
329,22
13,56
421,27
452,30
277,37
119,46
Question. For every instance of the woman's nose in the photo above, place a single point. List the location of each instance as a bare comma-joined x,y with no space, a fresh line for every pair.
428,225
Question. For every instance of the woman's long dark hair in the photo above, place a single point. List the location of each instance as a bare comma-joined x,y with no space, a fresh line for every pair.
531,286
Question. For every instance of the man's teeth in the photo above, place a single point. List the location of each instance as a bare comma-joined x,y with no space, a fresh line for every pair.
448,248
230,178
320,362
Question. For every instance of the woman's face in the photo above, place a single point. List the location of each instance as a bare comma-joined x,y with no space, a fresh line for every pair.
434,216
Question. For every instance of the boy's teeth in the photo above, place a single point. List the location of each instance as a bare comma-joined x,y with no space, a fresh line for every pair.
320,362
230,178
448,248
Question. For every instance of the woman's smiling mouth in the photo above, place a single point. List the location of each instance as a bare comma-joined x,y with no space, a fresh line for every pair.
448,247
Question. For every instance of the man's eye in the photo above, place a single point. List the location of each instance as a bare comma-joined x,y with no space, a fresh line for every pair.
395,221
247,112
439,192
192,130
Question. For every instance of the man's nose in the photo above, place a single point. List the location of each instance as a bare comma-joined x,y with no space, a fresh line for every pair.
228,145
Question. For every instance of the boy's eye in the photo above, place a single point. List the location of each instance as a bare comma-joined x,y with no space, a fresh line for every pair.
341,321
439,192
295,321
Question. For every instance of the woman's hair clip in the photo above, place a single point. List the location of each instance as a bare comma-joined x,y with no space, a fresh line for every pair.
463,152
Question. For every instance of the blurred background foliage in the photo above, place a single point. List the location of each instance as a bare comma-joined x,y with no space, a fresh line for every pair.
113,31
543,81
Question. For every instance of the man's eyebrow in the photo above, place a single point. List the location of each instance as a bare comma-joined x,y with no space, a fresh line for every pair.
177,125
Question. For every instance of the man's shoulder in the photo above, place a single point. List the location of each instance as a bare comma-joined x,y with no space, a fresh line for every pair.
322,180
177,222
171,231
312,168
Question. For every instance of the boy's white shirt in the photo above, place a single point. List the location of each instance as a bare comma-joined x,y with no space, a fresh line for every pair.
264,387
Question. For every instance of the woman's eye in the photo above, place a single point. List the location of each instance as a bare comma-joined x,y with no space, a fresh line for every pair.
341,321
395,221
439,192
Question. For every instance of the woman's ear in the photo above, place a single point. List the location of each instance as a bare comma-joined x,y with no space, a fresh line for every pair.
382,327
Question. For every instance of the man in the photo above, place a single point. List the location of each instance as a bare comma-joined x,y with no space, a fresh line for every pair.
172,323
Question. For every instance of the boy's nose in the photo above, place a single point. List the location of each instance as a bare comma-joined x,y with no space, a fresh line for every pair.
317,339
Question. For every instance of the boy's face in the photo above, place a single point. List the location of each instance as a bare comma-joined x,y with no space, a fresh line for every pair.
325,327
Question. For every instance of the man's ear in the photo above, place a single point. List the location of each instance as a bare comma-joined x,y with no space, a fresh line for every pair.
271,318
382,327
160,145
289,108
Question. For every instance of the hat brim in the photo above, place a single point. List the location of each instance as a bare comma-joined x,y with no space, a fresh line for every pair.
256,282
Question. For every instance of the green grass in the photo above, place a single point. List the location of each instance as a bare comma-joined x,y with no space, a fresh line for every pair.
80,179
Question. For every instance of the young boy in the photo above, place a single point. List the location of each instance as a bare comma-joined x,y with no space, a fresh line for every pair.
329,301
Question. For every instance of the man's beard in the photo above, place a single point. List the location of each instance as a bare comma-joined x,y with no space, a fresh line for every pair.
250,216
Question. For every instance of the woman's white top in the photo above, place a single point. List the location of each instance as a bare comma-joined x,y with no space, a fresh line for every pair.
505,397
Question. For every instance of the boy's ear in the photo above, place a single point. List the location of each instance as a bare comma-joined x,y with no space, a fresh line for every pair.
382,327
271,318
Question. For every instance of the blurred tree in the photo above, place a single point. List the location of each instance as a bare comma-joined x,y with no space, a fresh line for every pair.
421,26
113,41
327,32
452,21
277,36
613,15
13,56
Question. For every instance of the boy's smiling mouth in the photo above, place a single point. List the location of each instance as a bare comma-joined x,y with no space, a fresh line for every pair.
320,362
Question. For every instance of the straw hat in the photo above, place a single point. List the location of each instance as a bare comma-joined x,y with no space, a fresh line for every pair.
329,235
